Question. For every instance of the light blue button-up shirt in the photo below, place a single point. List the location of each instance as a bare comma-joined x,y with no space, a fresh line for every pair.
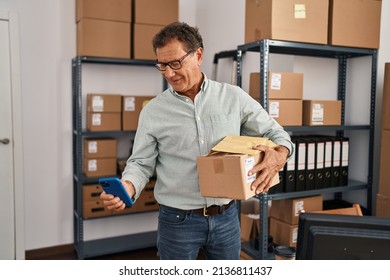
173,131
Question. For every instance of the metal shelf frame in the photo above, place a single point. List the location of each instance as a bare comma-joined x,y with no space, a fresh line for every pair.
91,248
342,54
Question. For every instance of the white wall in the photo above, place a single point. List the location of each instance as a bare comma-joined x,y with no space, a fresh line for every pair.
48,40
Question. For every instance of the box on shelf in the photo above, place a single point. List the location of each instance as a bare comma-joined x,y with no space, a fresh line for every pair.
156,12
321,112
115,10
286,112
224,171
104,121
94,209
386,98
355,23
103,38
288,210
91,192
107,103
281,85
249,219
132,106
99,167
283,233
290,20
100,148
142,41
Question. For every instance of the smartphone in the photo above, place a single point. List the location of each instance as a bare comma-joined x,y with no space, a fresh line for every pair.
114,186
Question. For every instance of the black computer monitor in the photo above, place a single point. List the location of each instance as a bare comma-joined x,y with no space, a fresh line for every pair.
342,237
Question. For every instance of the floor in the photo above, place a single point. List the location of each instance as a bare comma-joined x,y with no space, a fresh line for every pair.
67,253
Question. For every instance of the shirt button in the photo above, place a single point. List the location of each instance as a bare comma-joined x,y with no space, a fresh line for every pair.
201,141
198,118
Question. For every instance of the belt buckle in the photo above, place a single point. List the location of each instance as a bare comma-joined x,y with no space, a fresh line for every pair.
205,212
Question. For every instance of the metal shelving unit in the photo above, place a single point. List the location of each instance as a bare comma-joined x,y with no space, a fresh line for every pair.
90,248
342,54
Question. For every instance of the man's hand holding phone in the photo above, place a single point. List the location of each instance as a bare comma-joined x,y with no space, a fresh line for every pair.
117,194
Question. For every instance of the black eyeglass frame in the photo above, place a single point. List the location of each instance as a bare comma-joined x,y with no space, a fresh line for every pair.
165,65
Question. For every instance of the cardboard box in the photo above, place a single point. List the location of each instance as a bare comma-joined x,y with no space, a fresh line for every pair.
384,174
249,219
116,10
99,167
290,20
104,121
283,233
156,12
382,205
94,209
142,41
103,38
321,112
355,23
132,106
282,85
288,210
386,98
104,103
286,112
100,148
224,171
91,192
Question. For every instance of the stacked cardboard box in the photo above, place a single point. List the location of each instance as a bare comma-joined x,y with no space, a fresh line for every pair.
284,217
290,20
93,206
285,93
149,17
131,109
103,28
383,196
321,112
355,23
350,23
104,112
100,157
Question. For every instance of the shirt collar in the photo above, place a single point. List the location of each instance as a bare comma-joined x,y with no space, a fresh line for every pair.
202,88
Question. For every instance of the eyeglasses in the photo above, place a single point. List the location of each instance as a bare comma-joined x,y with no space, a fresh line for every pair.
175,65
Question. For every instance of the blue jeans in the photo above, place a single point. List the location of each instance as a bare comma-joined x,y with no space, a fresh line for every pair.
181,234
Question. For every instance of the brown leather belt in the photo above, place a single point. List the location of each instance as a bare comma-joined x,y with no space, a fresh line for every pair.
212,210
